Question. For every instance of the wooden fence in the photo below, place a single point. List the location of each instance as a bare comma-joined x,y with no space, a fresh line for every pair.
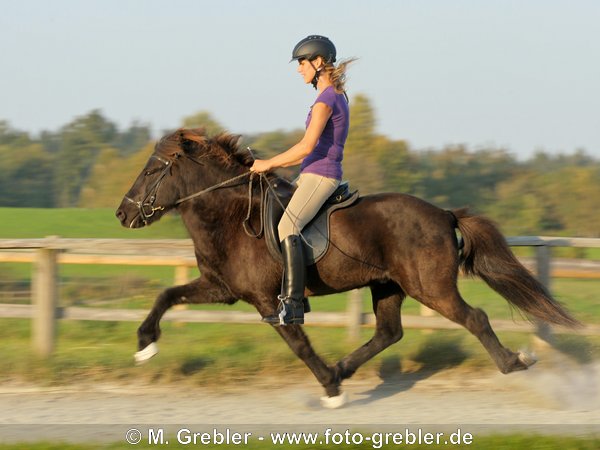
46,255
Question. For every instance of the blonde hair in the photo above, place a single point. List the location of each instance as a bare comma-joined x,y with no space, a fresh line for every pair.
337,73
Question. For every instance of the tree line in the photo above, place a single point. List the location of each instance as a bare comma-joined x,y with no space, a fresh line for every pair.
89,162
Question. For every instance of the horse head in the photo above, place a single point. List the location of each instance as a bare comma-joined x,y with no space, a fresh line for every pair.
183,162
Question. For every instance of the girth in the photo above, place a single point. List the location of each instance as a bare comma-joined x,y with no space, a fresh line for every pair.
316,232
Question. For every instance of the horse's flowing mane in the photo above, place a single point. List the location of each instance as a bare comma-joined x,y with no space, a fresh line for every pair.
223,146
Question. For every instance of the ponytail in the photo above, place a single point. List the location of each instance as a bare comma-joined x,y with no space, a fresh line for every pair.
337,73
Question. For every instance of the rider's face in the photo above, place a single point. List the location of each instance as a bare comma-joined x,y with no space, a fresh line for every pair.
307,70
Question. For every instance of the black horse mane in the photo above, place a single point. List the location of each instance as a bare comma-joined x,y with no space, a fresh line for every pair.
223,146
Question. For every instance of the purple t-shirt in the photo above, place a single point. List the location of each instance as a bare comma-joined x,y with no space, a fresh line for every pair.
326,157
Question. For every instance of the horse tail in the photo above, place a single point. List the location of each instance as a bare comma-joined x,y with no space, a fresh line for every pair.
486,254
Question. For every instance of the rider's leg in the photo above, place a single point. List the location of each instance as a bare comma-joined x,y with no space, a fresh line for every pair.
291,309
313,190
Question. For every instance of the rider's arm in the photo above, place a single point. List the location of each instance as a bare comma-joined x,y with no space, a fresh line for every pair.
320,115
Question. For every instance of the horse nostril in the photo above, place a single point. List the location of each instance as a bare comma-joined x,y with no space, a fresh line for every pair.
120,215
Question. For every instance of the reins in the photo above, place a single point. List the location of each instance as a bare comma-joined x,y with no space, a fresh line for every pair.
212,188
146,205
246,221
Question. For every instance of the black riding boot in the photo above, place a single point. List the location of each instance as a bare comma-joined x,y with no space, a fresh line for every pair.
292,303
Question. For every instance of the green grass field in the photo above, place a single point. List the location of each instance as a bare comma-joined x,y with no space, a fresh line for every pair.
29,223
80,223
213,354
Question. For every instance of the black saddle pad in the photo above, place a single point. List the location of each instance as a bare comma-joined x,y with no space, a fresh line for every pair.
316,233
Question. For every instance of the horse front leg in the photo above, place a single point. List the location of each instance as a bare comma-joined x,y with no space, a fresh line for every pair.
201,290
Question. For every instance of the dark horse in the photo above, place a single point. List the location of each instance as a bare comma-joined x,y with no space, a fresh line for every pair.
395,244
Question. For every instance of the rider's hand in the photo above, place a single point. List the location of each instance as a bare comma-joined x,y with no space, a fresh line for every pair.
261,165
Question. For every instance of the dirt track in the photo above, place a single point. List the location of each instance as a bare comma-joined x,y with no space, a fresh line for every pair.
557,395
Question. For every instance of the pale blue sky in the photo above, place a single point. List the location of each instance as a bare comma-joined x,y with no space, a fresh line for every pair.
524,75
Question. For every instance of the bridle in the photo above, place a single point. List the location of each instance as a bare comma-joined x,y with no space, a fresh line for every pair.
146,206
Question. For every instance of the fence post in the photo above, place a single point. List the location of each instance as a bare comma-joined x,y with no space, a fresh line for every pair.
543,257
45,296
181,275
426,311
354,314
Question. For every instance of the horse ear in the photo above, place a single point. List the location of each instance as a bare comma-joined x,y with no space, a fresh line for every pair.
195,135
229,141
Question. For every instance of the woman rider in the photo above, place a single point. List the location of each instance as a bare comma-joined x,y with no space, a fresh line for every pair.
320,154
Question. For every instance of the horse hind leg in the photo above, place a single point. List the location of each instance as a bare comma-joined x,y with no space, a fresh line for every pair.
453,307
387,300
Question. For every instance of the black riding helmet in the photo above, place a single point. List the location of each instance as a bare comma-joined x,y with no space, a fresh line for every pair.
312,46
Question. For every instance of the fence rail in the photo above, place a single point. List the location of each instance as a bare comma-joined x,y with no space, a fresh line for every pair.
46,254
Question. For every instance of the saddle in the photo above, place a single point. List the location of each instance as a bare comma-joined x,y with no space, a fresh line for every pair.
316,232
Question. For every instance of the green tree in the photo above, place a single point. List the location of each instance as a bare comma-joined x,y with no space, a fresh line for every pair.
26,170
267,145
361,164
575,195
112,176
398,166
51,142
133,139
456,177
11,137
203,119
521,208
82,140
26,176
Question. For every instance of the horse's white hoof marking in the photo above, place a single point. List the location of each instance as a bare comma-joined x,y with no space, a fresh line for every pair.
334,402
529,359
144,355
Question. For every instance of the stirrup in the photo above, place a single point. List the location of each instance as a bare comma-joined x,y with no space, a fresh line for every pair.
290,312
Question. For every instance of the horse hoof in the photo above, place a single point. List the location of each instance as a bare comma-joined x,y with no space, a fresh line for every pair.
528,359
334,402
144,355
